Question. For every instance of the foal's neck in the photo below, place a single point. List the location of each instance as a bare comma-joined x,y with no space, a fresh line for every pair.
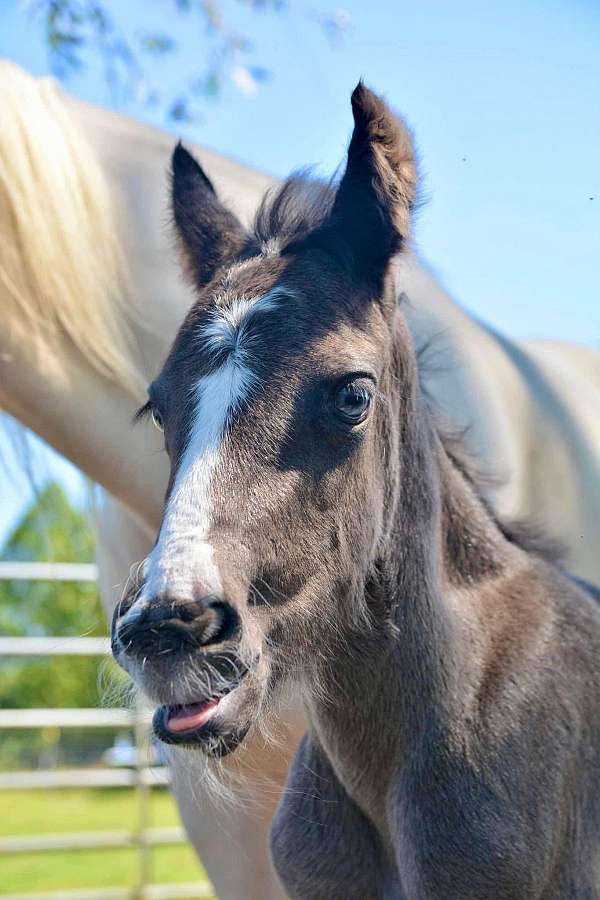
408,682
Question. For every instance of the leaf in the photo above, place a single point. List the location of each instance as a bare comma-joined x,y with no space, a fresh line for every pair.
179,110
157,44
211,11
207,85
60,39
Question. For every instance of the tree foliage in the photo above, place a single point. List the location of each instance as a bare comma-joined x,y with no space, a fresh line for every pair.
50,531
77,30
53,531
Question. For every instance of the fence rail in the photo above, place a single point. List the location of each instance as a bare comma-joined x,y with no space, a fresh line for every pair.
50,779
44,571
51,646
91,840
67,718
148,892
142,776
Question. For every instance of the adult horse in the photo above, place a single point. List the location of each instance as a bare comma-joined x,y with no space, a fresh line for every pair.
90,301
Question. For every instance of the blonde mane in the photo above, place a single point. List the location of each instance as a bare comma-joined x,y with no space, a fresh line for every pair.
61,271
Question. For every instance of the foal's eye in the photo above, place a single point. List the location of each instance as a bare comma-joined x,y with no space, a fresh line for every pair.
157,419
352,402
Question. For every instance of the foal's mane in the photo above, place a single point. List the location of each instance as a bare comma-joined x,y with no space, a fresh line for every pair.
287,213
526,533
61,270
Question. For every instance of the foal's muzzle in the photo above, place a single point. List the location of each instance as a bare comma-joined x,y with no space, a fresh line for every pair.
185,655
173,626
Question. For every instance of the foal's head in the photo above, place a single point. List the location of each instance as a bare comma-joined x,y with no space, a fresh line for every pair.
280,403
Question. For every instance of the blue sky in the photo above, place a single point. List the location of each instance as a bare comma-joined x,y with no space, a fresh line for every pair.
504,99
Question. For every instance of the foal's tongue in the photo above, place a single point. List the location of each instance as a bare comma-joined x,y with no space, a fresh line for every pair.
188,718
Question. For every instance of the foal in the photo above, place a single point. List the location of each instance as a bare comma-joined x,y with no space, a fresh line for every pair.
320,529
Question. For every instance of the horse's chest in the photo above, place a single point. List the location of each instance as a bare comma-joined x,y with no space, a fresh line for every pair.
323,845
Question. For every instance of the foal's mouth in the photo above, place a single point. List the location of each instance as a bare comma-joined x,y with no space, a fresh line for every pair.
205,723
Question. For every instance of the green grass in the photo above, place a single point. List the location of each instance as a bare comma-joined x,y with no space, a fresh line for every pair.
40,812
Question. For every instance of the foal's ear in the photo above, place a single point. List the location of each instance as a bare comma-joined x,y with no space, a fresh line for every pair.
209,234
371,213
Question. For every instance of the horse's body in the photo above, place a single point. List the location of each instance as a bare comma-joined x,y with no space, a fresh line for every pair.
532,409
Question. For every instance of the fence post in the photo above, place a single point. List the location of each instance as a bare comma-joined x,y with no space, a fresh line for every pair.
142,764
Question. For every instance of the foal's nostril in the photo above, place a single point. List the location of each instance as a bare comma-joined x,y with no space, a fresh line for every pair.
224,623
167,627
127,627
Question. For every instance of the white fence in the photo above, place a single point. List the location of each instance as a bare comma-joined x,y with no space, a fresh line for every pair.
142,776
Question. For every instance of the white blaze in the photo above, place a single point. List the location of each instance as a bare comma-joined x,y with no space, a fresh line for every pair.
182,554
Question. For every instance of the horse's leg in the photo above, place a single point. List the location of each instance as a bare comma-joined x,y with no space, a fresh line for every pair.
323,846
231,841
